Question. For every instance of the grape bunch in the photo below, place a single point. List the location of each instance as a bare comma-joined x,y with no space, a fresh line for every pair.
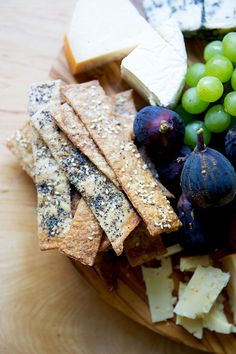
211,95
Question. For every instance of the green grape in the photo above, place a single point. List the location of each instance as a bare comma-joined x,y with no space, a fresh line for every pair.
213,48
220,67
210,89
187,117
230,103
190,136
216,119
192,103
194,73
229,46
233,80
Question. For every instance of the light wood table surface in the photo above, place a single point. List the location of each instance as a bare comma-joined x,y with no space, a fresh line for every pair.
46,306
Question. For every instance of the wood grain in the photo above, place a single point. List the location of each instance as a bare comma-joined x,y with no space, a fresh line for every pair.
46,306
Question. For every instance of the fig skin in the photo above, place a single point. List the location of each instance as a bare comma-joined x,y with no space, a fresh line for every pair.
230,145
208,179
160,129
196,238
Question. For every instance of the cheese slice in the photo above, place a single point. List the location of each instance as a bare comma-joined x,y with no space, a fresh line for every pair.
159,287
201,292
157,69
229,265
219,15
102,31
193,326
216,320
189,264
171,250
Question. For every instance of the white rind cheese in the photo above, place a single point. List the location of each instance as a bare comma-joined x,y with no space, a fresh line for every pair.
102,31
159,288
189,264
156,69
201,292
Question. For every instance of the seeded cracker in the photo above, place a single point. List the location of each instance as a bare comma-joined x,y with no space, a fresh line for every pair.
109,205
83,240
53,188
123,105
140,247
53,191
75,130
20,145
123,156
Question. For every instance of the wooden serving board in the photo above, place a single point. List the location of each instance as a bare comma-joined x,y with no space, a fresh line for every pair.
130,297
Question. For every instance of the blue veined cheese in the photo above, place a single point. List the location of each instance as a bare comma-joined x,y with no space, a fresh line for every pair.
219,14
187,13
156,69
201,292
159,288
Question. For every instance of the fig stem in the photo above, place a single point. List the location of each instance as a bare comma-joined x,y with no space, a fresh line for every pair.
164,126
200,140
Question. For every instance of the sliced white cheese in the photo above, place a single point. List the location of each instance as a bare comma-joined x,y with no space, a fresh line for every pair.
171,250
190,263
102,31
159,287
201,292
156,70
216,320
193,326
187,13
219,14
229,265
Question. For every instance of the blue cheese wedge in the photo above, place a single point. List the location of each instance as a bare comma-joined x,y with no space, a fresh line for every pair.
201,292
53,196
101,32
187,13
189,264
156,69
159,288
109,205
219,15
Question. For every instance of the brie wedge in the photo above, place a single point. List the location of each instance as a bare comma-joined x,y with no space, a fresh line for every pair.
157,67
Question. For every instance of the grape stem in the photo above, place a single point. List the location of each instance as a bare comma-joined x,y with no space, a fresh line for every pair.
200,141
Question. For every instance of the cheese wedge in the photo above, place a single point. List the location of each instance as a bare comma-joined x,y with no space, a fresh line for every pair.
102,31
157,68
229,265
189,264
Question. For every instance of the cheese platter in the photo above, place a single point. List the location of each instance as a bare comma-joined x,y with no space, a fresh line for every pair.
105,83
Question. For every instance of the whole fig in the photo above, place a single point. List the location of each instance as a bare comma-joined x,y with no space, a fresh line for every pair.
230,144
208,179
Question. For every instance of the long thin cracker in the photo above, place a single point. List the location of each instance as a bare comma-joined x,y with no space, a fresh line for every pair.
53,196
123,105
123,156
20,145
109,205
80,137
84,238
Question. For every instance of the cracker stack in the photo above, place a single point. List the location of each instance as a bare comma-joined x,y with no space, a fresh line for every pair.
95,190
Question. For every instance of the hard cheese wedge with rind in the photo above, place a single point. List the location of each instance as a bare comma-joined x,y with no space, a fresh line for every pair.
102,31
